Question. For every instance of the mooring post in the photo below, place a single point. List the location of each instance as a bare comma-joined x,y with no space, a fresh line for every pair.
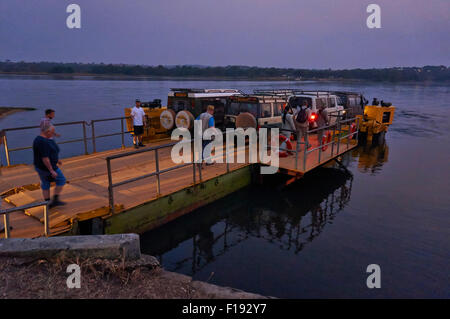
357,130
158,181
110,187
200,171
333,139
5,141
46,226
85,139
348,136
94,148
320,146
226,158
123,133
339,136
305,151
6,224
193,171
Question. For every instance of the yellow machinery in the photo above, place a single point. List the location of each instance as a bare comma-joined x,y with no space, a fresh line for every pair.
375,121
153,131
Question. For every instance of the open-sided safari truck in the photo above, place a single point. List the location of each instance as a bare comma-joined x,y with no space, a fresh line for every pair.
184,105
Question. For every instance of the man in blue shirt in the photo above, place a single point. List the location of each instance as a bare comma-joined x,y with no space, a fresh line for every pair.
46,161
207,119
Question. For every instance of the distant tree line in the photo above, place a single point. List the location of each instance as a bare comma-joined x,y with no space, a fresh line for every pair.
426,73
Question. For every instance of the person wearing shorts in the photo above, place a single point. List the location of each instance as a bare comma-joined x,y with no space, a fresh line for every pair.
46,161
207,119
138,116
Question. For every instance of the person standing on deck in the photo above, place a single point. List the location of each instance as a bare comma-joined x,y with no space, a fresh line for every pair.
302,115
207,119
46,161
287,122
138,116
322,121
49,116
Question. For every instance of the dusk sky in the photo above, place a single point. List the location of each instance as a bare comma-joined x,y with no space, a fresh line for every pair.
280,33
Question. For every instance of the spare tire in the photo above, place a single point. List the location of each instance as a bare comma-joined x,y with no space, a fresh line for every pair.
245,120
184,119
167,119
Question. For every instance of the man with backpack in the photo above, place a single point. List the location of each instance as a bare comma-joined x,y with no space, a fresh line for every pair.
302,115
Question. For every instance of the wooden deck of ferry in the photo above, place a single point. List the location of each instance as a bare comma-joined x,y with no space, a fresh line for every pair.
86,192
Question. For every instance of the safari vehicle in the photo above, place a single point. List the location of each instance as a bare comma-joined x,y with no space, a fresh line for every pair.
184,105
315,100
352,102
254,110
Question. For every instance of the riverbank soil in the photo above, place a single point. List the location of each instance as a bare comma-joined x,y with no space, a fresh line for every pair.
25,278
47,278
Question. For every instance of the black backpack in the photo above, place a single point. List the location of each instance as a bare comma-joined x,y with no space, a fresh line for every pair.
302,117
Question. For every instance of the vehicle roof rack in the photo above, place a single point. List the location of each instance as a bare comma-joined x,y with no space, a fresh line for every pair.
274,92
187,90
289,92
284,92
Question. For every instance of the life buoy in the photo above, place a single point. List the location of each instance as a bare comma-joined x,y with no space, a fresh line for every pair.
285,143
246,120
184,120
352,130
325,140
167,119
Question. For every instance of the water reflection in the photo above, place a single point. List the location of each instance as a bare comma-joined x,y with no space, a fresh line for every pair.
289,217
371,158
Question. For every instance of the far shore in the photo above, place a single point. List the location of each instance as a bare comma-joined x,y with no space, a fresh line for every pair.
176,78
155,77
122,77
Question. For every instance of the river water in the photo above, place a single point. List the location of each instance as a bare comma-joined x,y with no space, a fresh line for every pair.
312,239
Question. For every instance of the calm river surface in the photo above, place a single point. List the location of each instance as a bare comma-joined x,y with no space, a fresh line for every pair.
314,238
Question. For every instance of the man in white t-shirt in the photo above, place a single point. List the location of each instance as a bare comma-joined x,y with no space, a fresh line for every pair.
139,121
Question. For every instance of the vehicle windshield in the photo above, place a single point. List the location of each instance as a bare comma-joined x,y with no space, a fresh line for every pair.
298,100
266,110
278,109
178,104
235,108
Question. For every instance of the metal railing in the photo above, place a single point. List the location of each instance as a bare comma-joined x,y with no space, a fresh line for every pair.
84,139
195,162
156,173
122,130
337,137
6,212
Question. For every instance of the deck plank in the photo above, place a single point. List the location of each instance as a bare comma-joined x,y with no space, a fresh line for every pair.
86,193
